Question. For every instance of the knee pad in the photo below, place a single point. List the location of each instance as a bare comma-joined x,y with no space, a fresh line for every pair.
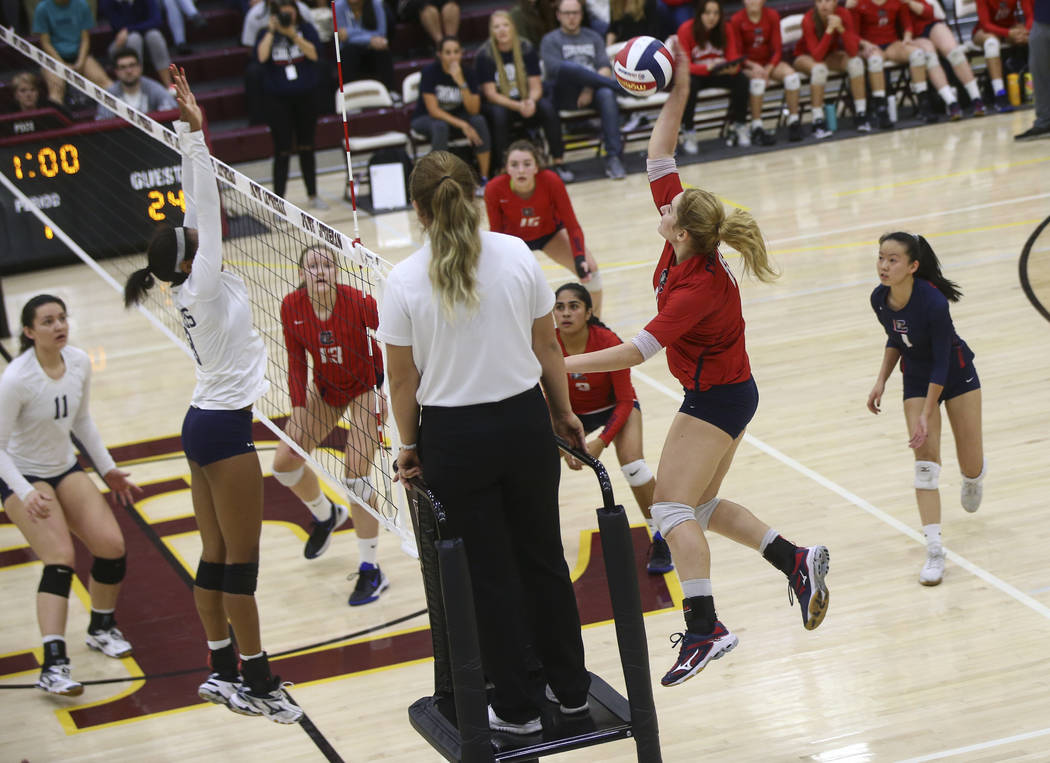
704,511
595,284
917,58
637,473
109,571
931,58
209,575
927,475
991,47
792,81
758,86
56,579
875,64
361,487
289,479
240,578
956,56
819,74
855,67
669,515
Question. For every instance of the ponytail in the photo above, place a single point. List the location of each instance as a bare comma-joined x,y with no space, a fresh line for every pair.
741,232
29,315
166,251
919,250
702,216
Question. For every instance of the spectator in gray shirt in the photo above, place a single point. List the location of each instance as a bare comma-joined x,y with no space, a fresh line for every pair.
139,92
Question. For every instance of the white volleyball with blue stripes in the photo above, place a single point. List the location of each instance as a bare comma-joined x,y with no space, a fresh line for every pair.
643,66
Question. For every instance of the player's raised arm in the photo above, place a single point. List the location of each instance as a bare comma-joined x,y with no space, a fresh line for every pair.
664,137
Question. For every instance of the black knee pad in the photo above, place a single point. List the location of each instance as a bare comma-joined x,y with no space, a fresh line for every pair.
240,579
109,571
209,575
56,579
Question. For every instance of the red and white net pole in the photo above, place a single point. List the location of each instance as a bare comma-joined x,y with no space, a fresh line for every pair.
346,129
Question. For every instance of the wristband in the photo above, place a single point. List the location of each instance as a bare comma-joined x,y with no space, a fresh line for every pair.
410,446
581,265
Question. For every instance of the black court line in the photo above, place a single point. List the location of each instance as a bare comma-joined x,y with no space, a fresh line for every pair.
1022,267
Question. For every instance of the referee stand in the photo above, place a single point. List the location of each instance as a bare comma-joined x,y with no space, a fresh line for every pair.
455,719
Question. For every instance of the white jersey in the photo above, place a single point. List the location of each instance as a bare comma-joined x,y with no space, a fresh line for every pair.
214,306
37,414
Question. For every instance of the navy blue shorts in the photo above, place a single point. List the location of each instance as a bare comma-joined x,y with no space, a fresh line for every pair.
730,407
538,243
926,30
959,382
210,436
5,491
592,421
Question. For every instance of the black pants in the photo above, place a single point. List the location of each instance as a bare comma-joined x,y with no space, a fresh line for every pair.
496,469
362,62
546,116
736,84
293,123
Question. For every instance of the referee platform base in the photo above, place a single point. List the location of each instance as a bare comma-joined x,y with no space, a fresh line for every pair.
609,720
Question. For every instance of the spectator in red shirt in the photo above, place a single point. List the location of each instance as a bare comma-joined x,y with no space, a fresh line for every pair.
712,49
935,39
758,30
700,323
607,400
997,23
830,43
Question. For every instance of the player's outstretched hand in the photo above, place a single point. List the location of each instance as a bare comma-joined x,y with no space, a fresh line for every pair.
38,505
123,488
189,111
875,398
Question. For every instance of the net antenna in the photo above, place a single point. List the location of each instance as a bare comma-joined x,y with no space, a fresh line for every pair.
263,236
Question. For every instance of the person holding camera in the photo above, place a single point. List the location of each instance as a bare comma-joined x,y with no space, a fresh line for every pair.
287,50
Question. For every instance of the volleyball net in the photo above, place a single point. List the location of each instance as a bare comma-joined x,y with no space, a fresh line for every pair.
100,189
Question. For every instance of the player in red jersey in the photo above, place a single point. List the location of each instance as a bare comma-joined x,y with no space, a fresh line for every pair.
531,202
330,322
758,29
885,32
997,23
608,401
933,37
830,43
699,321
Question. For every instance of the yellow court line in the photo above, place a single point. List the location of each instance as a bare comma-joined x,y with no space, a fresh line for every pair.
934,178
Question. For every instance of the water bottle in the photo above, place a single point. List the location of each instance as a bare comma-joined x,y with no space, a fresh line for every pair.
891,108
1029,90
1013,89
831,117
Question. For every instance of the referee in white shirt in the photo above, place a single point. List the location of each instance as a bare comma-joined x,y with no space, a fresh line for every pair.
470,337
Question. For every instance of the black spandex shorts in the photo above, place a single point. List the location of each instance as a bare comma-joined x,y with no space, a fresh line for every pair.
5,491
730,407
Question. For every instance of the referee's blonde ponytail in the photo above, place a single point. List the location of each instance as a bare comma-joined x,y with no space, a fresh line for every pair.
442,187
702,216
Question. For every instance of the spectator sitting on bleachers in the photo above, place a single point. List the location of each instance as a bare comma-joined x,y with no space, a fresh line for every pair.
256,20
178,12
139,92
449,97
533,19
758,30
135,21
578,71
935,39
28,91
632,18
287,50
439,18
829,43
998,24
674,13
320,16
711,44
509,72
63,26
363,41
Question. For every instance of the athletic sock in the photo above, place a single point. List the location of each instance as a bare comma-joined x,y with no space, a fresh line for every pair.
792,118
256,673
947,95
997,84
54,650
862,105
223,660
699,614
320,507
366,550
932,533
101,620
781,554
972,90
918,87
756,124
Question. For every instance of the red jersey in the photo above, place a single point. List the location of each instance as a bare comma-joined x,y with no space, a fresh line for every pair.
997,16
601,390
760,42
545,211
343,368
881,24
821,47
699,319
703,57
920,21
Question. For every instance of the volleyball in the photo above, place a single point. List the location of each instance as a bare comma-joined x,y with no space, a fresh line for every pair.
643,66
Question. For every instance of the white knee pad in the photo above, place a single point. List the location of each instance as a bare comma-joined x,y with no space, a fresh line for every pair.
792,81
927,475
758,86
668,515
595,284
704,511
855,67
819,74
932,59
875,64
288,479
637,473
917,58
956,56
362,487
991,47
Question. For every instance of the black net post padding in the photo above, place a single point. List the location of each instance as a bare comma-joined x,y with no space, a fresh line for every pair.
1022,267
5,330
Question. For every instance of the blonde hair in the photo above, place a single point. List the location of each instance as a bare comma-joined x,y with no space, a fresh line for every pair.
702,216
520,78
442,186
633,8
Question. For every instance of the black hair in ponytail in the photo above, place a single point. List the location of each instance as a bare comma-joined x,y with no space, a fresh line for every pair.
29,315
162,253
919,250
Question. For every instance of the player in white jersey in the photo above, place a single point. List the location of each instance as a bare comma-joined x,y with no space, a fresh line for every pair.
227,483
44,399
